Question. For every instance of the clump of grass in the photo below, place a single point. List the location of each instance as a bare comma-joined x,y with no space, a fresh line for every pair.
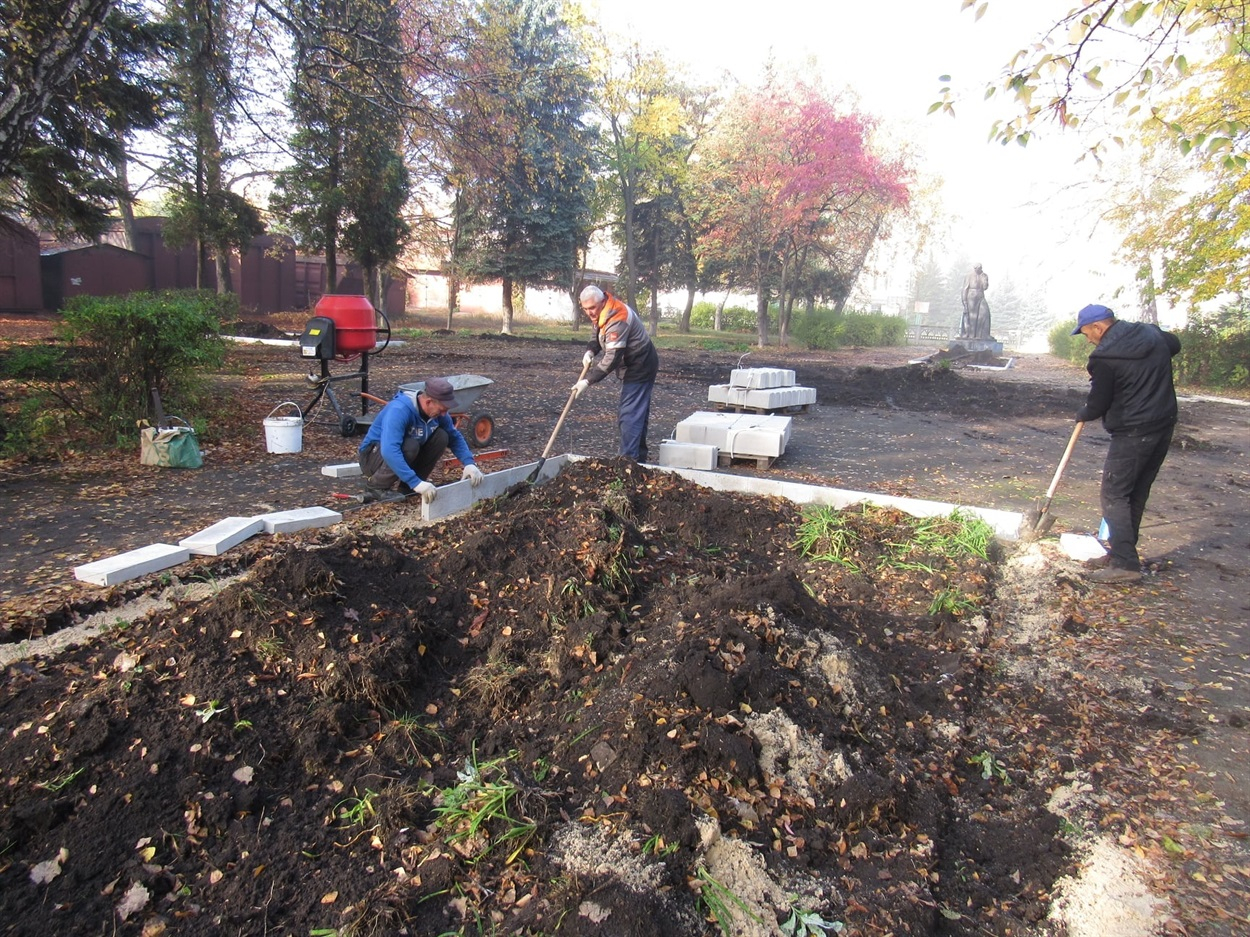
480,813
825,534
357,811
720,901
951,602
61,781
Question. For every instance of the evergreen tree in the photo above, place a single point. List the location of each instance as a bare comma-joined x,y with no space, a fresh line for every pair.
59,162
202,209
526,196
349,183
933,287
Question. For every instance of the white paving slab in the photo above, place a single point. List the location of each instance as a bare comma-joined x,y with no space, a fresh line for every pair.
220,537
460,496
688,455
1006,524
285,522
761,378
774,398
342,470
132,564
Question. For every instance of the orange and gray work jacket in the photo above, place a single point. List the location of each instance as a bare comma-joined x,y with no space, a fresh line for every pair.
624,343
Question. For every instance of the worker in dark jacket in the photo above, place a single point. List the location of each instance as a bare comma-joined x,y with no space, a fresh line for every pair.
1131,390
622,345
406,440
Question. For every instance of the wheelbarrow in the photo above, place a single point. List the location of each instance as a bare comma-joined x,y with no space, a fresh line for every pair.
477,427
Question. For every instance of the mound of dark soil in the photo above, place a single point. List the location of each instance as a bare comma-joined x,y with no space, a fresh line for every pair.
611,704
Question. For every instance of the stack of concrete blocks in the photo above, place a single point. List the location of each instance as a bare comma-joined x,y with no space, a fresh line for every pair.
736,435
761,389
690,455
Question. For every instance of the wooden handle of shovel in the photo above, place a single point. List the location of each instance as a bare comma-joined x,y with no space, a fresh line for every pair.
1063,462
565,412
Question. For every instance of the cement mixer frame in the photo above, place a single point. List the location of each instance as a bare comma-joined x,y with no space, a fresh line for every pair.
344,328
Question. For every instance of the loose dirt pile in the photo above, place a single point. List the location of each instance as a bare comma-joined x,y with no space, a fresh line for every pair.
614,704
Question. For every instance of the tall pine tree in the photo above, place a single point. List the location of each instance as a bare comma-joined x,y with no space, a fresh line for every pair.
526,196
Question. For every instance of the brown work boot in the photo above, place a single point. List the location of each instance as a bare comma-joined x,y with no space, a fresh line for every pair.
1114,575
1097,562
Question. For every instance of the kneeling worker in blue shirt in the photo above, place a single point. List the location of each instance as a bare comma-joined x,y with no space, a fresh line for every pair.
406,440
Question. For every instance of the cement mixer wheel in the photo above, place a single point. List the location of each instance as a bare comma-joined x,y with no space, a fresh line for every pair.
347,425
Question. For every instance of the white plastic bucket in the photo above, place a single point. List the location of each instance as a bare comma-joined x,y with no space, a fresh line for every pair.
284,433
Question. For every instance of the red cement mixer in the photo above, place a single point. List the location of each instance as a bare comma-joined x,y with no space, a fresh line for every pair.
344,328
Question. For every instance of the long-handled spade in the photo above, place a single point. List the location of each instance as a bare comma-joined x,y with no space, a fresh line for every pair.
533,476
1038,519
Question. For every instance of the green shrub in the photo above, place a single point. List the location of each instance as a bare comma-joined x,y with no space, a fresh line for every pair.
35,363
824,328
1063,344
1215,349
37,429
733,318
129,345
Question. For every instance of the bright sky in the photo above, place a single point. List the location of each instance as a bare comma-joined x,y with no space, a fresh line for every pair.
1023,212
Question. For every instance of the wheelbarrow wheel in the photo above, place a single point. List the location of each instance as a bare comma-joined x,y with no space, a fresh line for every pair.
481,430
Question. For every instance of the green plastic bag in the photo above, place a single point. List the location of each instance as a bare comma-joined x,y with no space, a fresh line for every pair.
169,446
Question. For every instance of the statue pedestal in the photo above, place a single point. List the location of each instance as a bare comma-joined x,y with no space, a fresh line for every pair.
969,352
974,346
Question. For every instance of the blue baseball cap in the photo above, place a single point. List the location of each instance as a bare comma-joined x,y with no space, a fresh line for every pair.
1091,313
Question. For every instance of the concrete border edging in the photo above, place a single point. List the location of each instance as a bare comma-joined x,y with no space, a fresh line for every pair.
1006,524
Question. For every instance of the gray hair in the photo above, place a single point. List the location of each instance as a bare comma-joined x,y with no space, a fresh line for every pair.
593,293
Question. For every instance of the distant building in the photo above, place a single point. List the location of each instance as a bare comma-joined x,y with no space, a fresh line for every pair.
21,287
91,270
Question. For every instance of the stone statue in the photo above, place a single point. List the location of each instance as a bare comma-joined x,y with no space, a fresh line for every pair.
976,320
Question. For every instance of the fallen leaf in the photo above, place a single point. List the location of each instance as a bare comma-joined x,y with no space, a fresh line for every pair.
49,869
135,899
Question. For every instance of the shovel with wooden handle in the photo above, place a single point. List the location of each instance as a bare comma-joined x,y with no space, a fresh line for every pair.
533,476
1038,520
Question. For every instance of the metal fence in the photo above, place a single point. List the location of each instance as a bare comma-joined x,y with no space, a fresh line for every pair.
930,334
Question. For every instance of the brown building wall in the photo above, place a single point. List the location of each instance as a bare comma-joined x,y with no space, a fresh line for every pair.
170,270
266,275
21,288
99,270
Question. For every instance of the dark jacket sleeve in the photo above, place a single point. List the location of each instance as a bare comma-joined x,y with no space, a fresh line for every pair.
1101,386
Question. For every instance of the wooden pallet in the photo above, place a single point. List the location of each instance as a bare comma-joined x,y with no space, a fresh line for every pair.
743,408
762,462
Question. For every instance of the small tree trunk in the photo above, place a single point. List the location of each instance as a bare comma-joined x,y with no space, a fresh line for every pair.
506,327
225,283
761,314
685,313
655,309
125,206
372,276
718,321
453,297
783,310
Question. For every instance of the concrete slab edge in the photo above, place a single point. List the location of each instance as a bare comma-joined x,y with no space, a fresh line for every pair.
460,496
1006,524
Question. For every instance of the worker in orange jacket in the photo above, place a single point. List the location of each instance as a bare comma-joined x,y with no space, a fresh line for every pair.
621,345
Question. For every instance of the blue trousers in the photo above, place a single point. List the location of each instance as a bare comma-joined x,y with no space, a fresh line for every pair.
633,416
420,456
1127,474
